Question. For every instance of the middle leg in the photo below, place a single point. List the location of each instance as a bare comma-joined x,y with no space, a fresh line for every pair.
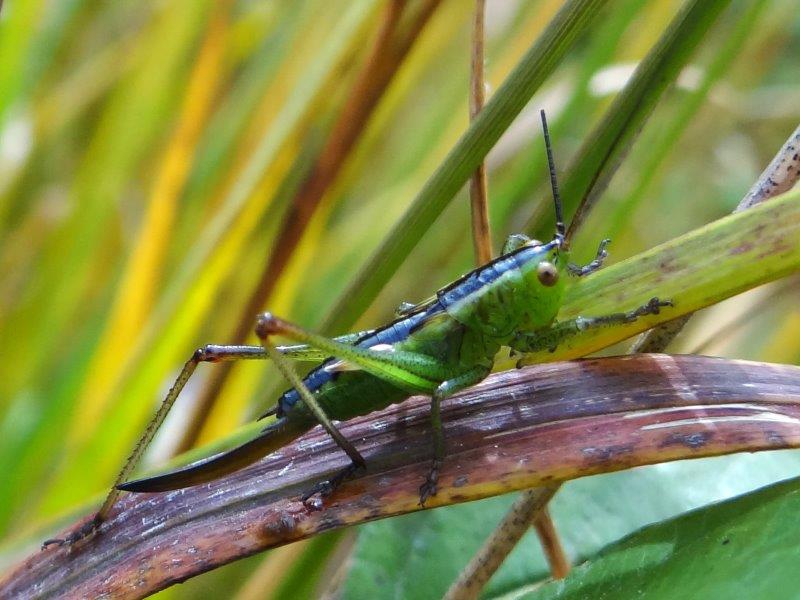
445,389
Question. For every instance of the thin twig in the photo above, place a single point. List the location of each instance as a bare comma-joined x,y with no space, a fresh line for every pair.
551,544
482,245
274,566
503,539
481,234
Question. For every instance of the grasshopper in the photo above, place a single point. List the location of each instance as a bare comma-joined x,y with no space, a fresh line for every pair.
436,348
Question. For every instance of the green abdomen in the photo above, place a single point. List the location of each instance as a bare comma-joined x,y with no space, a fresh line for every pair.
350,394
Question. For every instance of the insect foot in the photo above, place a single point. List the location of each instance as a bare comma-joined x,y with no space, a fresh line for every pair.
430,487
602,254
653,307
313,499
84,533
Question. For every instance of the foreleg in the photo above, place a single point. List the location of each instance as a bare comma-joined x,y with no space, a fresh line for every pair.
593,266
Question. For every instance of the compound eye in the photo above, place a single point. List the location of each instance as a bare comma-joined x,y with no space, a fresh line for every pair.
547,273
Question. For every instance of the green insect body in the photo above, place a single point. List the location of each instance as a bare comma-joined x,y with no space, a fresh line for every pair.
452,338
436,348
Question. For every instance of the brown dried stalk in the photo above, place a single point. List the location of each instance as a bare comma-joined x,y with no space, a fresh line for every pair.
479,203
516,430
482,248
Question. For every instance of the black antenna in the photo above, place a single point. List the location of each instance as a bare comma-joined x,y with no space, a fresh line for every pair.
561,230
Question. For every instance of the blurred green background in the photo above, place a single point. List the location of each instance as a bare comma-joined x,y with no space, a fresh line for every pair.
149,156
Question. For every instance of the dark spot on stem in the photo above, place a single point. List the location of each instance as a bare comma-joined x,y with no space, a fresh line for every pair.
690,440
741,249
603,454
285,525
775,439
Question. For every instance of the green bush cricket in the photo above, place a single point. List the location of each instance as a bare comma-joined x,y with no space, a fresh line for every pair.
436,348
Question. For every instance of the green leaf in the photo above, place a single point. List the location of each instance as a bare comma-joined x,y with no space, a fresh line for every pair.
625,284
747,545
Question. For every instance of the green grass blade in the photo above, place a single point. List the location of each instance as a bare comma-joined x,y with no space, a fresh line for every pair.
173,324
604,149
661,140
